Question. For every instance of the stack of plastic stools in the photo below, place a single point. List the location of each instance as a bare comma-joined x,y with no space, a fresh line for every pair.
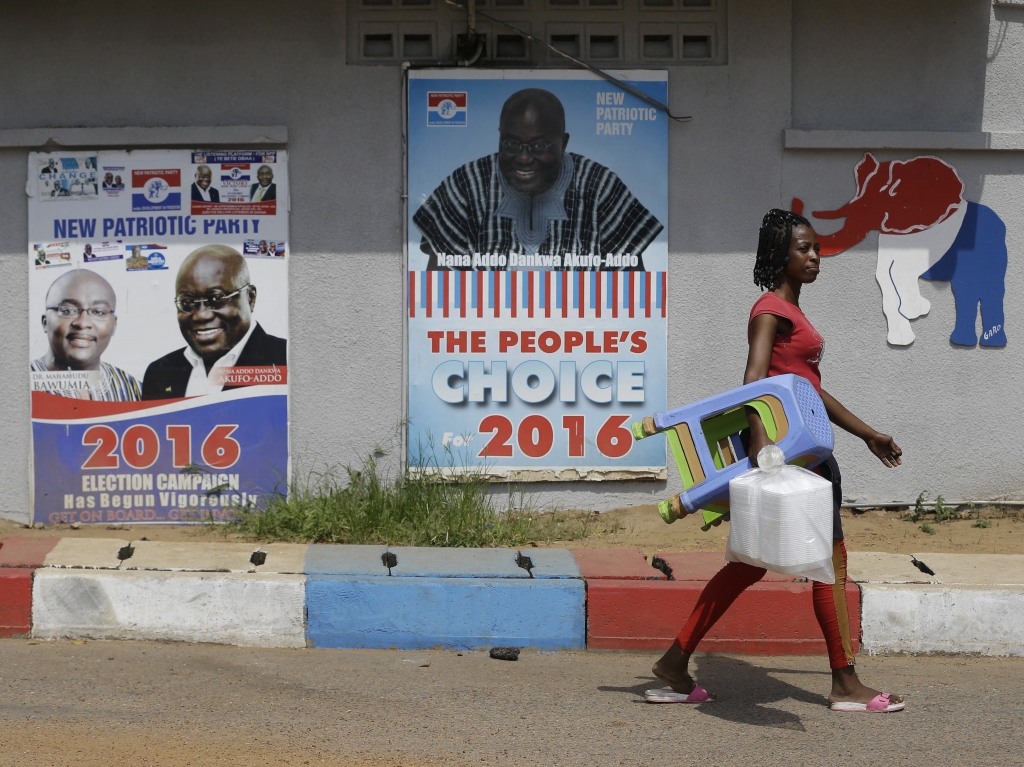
705,439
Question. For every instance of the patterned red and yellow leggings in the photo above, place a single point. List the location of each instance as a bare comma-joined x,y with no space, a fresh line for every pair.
829,606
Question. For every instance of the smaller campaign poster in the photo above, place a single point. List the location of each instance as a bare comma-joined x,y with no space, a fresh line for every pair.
70,177
156,189
158,335
537,273
236,183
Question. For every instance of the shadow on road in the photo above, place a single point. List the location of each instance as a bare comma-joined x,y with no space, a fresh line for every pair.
745,692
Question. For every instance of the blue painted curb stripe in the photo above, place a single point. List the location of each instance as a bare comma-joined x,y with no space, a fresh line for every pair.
455,613
331,559
424,562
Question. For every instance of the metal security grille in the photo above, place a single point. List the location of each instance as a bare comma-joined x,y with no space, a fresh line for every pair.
601,32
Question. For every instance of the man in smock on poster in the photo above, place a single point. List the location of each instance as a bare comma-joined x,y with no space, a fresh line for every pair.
537,252
158,353
532,197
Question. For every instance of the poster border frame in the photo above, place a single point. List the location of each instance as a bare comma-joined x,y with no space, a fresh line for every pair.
503,474
129,147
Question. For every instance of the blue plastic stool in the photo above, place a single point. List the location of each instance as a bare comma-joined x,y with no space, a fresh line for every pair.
704,439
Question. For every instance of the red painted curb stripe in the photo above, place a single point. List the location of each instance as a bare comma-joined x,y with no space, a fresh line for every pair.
704,565
617,564
15,601
767,619
19,551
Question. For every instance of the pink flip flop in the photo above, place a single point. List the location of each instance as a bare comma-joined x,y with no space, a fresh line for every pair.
877,705
667,695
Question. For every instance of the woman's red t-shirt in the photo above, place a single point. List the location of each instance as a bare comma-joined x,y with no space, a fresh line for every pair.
800,350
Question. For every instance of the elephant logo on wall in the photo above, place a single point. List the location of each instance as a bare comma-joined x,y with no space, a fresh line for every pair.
926,230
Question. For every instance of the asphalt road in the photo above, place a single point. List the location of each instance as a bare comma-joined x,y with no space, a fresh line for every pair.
137,703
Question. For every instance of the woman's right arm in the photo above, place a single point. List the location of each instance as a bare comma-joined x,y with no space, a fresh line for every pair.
763,330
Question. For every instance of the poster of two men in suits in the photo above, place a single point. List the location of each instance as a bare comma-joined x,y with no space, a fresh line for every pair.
159,373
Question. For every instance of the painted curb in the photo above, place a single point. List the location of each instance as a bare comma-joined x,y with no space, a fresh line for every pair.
702,566
90,553
255,610
15,602
414,597
469,598
616,564
187,557
25,552
628,609
911,618
769,618
975,570
454,613
19,558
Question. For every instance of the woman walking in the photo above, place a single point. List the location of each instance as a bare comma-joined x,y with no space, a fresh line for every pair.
782,340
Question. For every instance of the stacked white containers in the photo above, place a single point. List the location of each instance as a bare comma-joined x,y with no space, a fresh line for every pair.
781,519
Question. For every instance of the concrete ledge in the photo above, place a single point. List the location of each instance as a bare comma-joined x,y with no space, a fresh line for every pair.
975,569
253,610
205,557
283,558
198,136
934,618
880,567
455,613
90,553
949,141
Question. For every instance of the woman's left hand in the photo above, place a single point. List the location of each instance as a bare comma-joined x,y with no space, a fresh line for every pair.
883,446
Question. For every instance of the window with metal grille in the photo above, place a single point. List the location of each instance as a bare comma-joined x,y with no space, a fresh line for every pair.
601,32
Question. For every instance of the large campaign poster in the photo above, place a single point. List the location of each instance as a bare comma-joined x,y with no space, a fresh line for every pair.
158,327
537,251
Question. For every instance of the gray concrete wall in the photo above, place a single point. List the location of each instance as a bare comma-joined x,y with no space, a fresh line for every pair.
878,65
927,66
936,66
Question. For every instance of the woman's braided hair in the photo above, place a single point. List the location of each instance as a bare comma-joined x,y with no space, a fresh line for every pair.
773,246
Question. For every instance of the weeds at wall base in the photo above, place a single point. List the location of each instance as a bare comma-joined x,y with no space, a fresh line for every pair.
943,512
369,504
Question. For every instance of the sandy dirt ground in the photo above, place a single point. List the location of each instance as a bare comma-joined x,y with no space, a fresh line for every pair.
98,704
640,527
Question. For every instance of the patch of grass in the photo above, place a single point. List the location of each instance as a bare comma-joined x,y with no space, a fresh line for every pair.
369,504
982,523
926,528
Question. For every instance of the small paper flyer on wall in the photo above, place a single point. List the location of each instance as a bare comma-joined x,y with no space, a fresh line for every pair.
158,333
537,254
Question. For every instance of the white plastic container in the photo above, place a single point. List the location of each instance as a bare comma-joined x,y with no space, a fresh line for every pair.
781,519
